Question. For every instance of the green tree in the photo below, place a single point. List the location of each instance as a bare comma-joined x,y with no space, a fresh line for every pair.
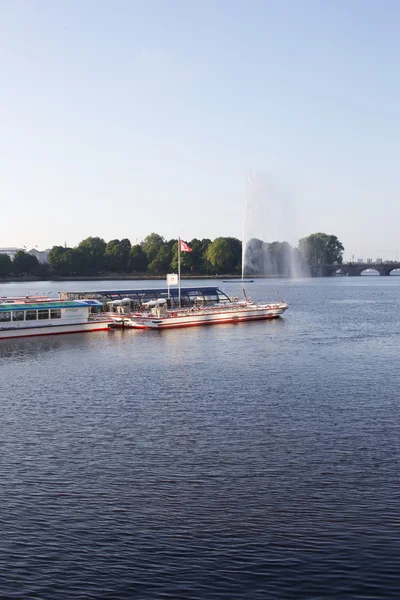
92,251
5,265
66,261
225,254
171,243
204,264
56,258
161,263
72,262
321,249
193,262
25,264
138,259
117,255
151,246
44,271
186,259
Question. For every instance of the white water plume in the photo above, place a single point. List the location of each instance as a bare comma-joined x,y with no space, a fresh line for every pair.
269,231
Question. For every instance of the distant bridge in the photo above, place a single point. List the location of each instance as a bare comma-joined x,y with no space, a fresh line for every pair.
353,269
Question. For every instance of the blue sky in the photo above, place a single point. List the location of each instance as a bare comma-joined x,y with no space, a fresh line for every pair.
120,119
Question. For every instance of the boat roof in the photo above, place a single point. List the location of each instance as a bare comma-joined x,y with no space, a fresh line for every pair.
12,306
28,298
147,293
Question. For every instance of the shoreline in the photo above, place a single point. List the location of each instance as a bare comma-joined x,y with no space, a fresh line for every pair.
31,278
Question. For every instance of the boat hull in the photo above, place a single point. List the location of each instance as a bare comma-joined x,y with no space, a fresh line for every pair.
8,333
200,318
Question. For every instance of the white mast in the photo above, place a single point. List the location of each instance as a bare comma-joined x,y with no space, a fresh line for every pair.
179,271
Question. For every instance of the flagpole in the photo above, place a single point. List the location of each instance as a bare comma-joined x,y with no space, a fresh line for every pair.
179,271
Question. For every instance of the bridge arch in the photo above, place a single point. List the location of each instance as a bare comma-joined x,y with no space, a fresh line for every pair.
368,272
352,269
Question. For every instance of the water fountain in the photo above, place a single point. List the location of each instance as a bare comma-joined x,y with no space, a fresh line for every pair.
268,215
247,208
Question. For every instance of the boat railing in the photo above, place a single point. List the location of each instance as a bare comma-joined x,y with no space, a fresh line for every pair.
99,316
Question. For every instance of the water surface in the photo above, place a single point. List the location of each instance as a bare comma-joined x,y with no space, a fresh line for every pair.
257,460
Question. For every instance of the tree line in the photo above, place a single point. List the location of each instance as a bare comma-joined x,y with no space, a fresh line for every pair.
157,256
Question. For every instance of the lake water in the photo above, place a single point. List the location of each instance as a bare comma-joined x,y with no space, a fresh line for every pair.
256,461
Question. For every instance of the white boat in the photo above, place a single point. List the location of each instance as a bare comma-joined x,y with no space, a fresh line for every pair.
26,317
158,317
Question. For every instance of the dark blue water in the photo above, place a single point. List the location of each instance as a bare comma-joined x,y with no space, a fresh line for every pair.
258,460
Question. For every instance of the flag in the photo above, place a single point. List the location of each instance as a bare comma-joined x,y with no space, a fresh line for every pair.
36,246
184,247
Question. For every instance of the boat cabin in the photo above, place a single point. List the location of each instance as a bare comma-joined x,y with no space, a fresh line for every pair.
35,314
137,299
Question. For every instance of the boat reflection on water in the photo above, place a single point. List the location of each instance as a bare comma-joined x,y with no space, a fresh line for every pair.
36,348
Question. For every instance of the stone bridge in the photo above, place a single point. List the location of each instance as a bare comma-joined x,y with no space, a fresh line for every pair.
353,269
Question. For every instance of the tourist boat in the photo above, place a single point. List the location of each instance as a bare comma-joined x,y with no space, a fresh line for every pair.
184,296
157,316
31,316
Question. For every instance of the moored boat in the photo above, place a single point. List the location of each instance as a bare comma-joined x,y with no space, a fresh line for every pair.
26,317
157,316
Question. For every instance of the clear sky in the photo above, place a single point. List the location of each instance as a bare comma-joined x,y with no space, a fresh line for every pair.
122,118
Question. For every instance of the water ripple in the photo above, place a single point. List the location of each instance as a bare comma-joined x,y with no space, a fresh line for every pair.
256,462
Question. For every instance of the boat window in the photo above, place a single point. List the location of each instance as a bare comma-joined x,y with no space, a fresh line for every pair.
43,313
55,313
31,315
5,317
18,315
